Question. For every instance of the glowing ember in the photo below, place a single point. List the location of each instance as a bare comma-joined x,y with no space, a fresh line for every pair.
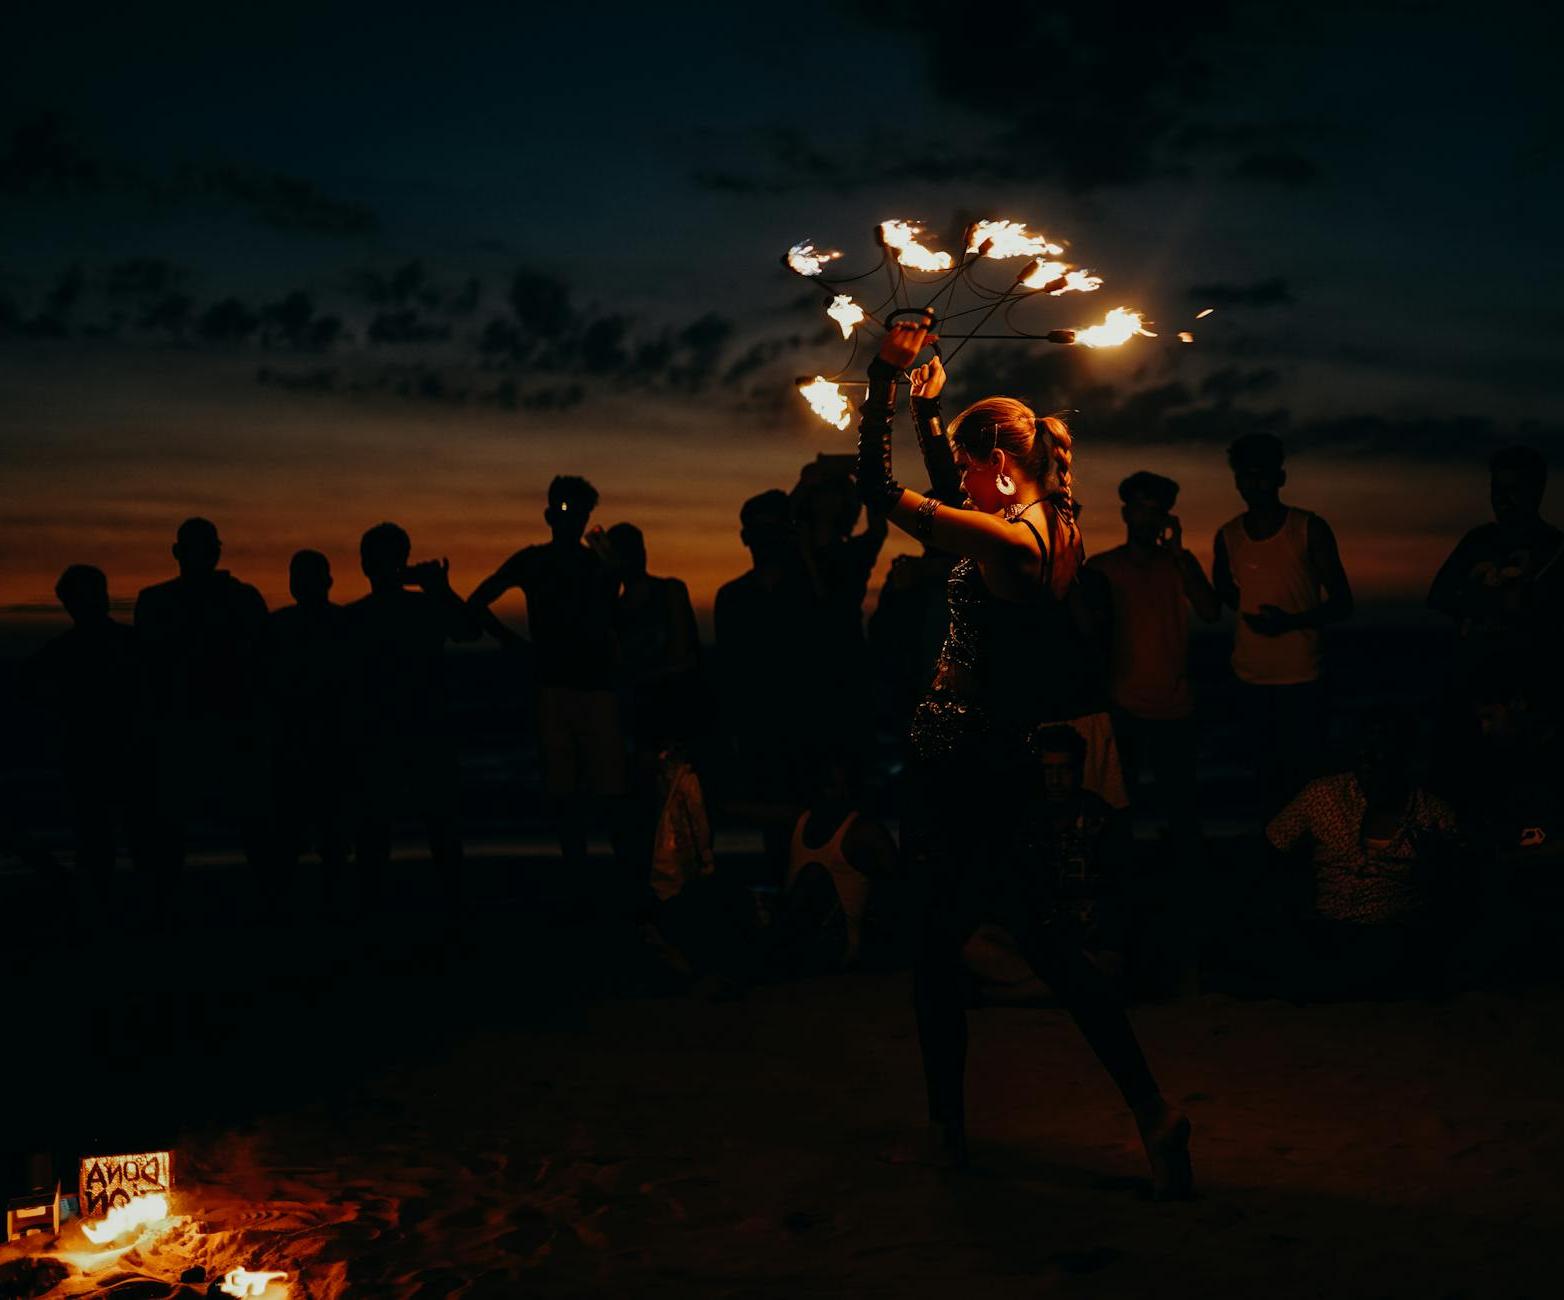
1008,239
1201,315
135,1213
807,260
1119,326
846,313
1056,278
1184,336
901,237
827,401
242,1282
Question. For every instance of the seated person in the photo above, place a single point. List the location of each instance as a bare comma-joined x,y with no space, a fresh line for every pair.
1060,903
1382,851
835,854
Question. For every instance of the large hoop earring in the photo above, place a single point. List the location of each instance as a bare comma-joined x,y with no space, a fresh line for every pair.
1005,484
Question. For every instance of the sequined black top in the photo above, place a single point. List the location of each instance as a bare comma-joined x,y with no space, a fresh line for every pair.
1006,666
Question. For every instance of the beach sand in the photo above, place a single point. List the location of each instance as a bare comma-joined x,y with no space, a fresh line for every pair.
676,1146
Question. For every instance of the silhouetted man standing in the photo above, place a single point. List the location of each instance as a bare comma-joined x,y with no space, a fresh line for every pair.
839,562
202,637
1504,583
91,678
312,680
406,761
1154,583
659,646
570,615
767,630
1278,566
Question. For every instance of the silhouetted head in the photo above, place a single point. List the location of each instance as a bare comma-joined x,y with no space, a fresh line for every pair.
197,548
383,552
1061,752
837,776
1148,500
766,526
309,578
571,501
1382,755
825,504
1256,460
1000,436
84,591
629,550
1518,478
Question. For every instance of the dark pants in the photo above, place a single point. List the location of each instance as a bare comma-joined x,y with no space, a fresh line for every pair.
1164,750
941,992
414,776
1285,727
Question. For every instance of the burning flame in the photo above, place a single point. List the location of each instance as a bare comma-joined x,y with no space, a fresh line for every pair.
827,401
1184,336
1056,278
902,238
1118,326
242,1282
1201,315
846,313
1008,239
807,260
135,1213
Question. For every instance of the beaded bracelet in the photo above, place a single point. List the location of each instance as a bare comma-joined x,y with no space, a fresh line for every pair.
923,521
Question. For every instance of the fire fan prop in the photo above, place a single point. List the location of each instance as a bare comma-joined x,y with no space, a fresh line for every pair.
953,290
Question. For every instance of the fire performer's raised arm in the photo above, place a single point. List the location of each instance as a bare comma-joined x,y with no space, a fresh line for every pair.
928,381
1002,486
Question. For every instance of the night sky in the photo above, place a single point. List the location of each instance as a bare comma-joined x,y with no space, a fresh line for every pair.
301,268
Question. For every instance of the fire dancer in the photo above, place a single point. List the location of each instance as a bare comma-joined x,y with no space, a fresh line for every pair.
1011,661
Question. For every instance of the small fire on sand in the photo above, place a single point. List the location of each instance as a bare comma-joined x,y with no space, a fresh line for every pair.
134,1215
242,1282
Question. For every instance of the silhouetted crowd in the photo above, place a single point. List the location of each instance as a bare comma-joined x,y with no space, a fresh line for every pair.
1427,847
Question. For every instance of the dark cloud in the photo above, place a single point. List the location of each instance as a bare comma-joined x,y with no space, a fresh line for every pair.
1230,383
46,156
1092,96
406,326
140,277
1262,293
228,321
1280,167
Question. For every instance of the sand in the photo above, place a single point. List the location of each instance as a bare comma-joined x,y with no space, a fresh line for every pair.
673,1146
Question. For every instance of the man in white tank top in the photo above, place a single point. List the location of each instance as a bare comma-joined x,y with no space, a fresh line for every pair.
1279,568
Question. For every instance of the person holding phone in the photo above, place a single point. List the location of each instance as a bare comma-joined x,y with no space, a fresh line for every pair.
1009,665
1155,584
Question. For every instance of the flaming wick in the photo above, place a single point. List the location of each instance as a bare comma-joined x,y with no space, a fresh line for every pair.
1118,326
1006,239
803,259
846,313
826,400
901,237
